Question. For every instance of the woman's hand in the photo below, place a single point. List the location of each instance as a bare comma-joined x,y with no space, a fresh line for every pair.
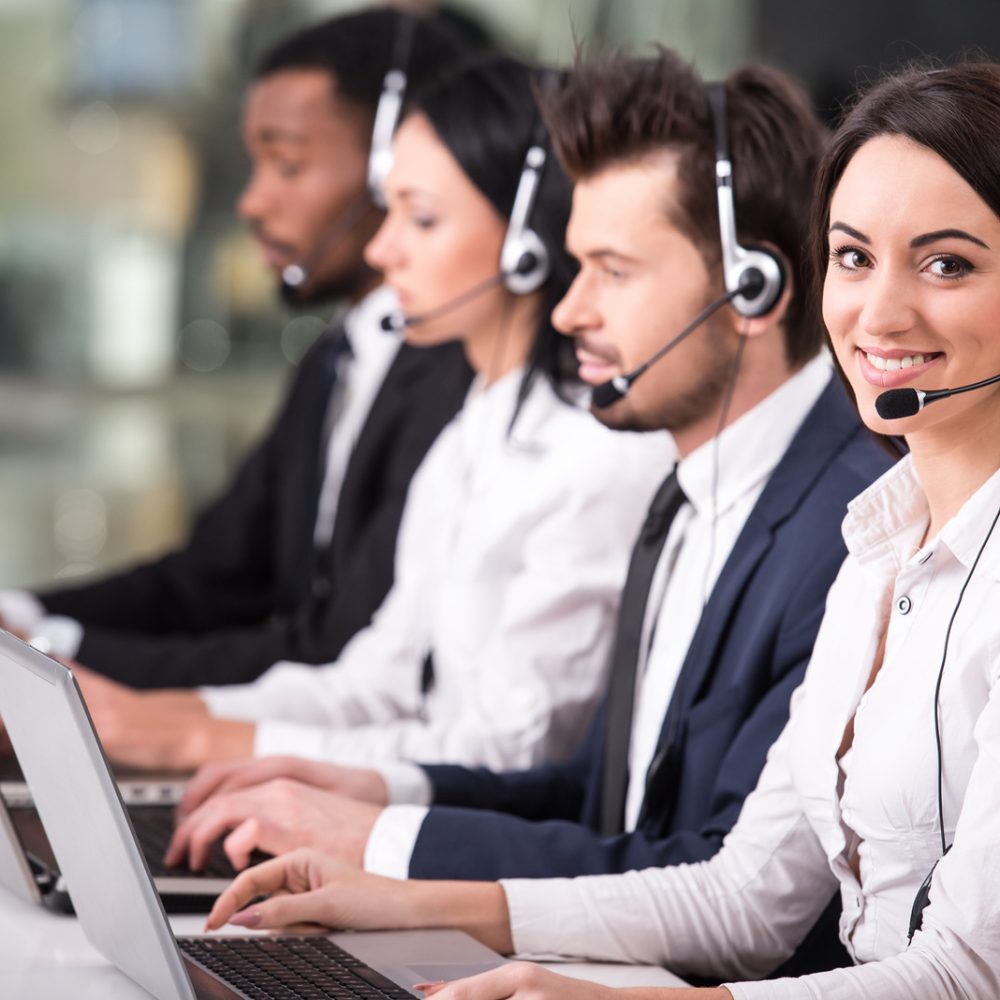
216,778
307,887
527,981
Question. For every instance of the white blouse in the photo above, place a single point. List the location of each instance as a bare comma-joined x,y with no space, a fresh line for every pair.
512,553
741,913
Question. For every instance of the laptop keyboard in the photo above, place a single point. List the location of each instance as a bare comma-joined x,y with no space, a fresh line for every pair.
154,827
290,968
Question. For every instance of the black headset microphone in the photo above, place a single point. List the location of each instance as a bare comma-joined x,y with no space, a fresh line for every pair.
754,277
894,404
524,260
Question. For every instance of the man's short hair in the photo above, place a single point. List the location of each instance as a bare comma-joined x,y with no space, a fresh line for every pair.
355,50
614,109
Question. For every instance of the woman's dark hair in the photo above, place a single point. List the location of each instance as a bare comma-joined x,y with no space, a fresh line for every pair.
953,111
615,109
487,115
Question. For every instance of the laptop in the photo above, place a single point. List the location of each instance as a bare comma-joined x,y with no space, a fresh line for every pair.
121,914
150,805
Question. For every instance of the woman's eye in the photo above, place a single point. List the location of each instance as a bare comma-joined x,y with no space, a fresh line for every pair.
850,258
950,267
424,221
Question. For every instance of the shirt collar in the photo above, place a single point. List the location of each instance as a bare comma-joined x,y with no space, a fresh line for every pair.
363,324
750,448
488,409
885,523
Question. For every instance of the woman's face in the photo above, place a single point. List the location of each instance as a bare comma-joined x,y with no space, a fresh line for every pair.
912,290
441,237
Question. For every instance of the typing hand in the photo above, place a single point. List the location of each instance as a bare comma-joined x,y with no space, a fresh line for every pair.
159,729
228,776
275,817
307,887
526,981
522,981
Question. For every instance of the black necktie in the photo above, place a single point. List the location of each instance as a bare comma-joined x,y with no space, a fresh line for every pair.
625,653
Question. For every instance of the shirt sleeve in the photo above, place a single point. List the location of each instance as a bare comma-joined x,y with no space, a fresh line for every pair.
738,915
20,610
519,656
58,635
407,784
392,839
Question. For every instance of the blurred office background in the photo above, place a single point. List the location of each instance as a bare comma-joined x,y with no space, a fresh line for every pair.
141,345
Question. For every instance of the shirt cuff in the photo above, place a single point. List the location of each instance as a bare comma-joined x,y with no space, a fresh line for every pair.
392,839
272,737
57,635
545,920
239,701
406,784
20,610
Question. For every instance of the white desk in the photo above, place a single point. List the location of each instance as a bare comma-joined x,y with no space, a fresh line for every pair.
45,956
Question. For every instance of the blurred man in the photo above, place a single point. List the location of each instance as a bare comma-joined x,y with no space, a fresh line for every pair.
297,554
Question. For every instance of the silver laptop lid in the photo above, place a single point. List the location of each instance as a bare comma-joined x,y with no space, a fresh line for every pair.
89,831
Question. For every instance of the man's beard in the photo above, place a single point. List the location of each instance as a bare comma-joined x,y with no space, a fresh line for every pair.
347,283
694,404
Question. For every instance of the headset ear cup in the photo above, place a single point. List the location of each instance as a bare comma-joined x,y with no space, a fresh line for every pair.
772,269
524,262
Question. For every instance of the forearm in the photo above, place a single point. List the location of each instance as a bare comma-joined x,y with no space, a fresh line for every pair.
478,908
656,993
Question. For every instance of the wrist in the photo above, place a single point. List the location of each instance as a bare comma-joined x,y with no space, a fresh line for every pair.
478,908
219,739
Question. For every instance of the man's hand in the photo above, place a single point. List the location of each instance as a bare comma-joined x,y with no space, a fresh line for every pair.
275,817
218,777
159,729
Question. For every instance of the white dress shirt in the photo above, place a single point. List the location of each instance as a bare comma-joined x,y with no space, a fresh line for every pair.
697,546
742,912
511,557
360,375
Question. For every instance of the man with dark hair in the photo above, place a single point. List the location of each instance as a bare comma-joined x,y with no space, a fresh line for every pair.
297,554
729,576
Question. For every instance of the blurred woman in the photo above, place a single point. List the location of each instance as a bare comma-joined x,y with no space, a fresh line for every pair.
492,645
884,781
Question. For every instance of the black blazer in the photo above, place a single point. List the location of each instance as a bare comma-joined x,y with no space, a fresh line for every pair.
730,703
248,589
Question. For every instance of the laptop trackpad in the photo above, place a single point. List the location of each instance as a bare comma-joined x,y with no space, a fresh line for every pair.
447,971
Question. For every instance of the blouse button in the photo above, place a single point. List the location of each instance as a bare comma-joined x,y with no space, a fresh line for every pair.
903,605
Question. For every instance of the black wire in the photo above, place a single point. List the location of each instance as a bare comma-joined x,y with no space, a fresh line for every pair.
727,400
940,677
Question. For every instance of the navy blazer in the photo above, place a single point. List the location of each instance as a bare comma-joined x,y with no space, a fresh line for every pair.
730,703
248,588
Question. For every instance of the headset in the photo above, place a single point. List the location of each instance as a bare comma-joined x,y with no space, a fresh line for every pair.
524,259
389,108
387,112
756,274
754,277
